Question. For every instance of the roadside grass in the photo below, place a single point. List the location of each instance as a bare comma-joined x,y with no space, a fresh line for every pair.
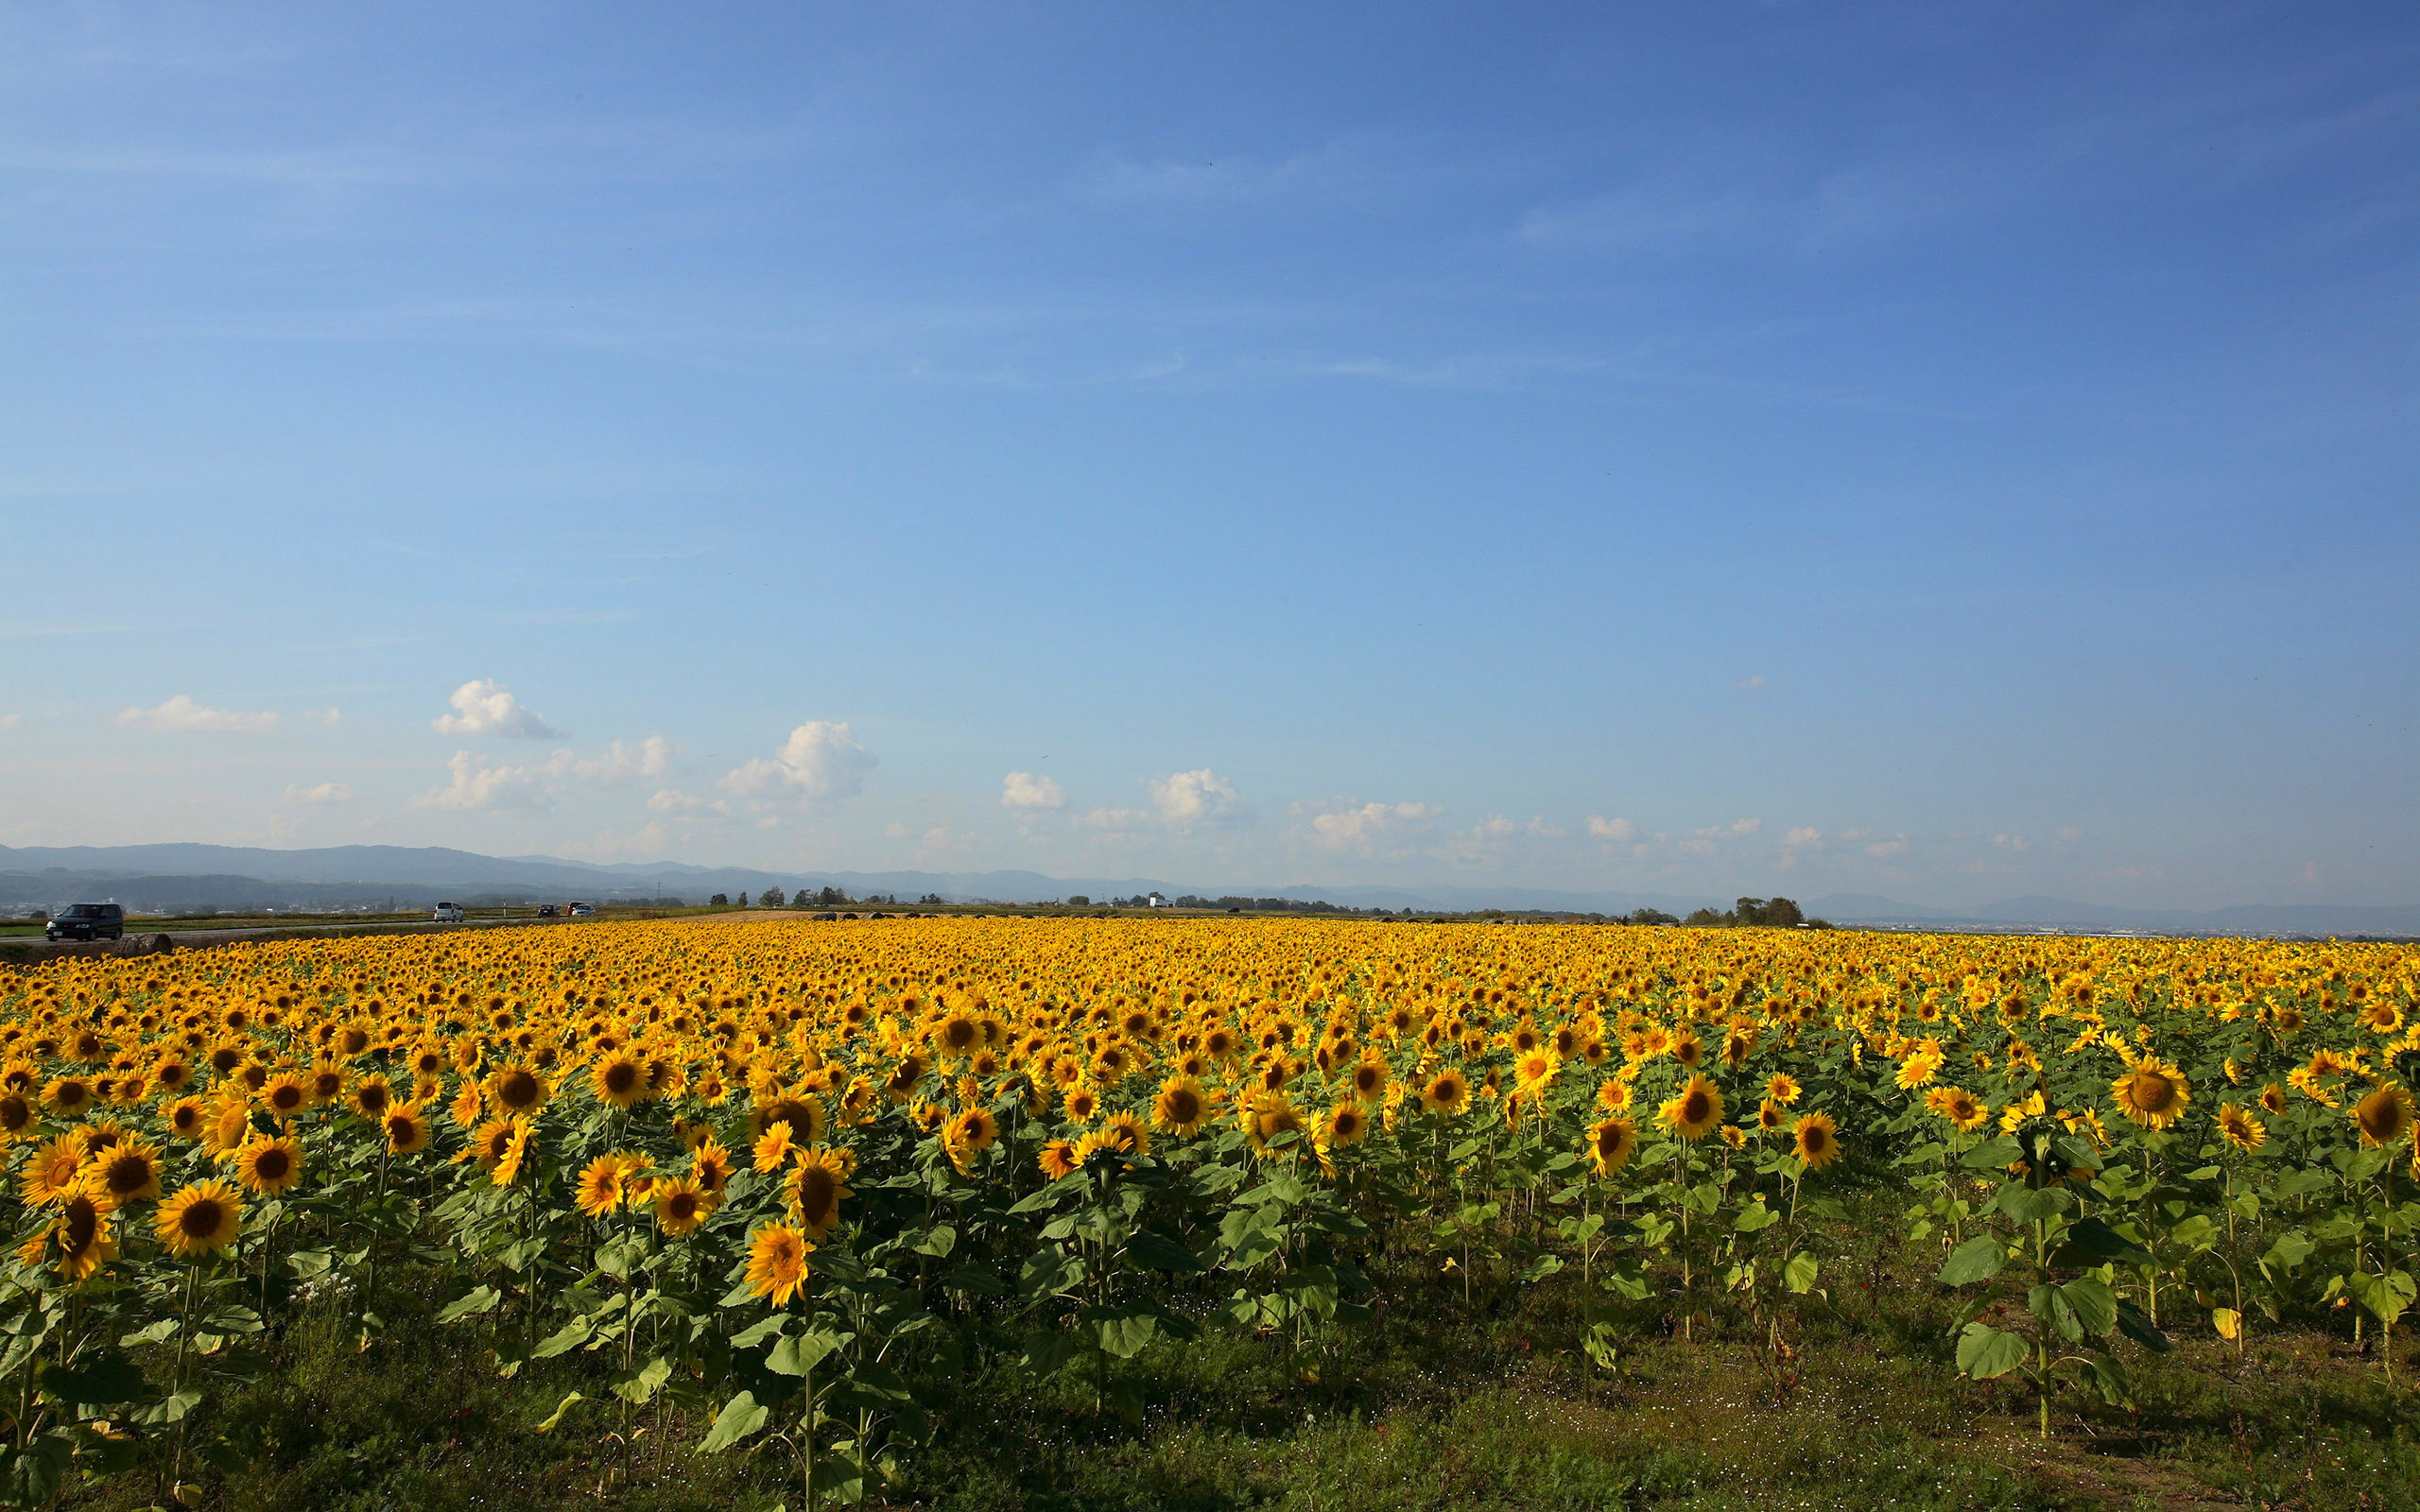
1429,1407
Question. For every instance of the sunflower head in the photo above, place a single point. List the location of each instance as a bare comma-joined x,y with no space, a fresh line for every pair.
777,1263
1818,1139
2384,1117
1694,1110
202,1219
1611,1143
2152,1093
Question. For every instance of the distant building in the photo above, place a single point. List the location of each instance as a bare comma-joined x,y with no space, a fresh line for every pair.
1156,900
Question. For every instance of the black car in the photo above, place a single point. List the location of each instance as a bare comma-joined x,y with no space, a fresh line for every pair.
545,910
88,922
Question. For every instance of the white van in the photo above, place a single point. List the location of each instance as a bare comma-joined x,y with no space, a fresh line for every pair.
448,914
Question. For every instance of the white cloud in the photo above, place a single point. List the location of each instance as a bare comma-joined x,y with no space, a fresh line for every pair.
324,793
1617,831
1363,825
1112,819
1750,684
938,841
672,800
820,759
1541,830
483,707
10,721
2012,842
331,717
1746,826
182,716
1189,798
1803,837
1023,790
477,785
1885,850
2310,871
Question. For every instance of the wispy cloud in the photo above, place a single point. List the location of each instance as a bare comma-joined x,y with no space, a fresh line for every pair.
182,716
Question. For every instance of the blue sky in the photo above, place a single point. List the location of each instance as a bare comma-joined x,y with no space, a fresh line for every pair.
1951,452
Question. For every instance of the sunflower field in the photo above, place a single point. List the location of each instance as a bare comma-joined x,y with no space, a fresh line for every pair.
784,1185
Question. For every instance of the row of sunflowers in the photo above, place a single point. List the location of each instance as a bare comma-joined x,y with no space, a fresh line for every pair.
768,1177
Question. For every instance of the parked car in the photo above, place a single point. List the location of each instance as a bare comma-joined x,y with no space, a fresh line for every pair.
87,921
448,914
547,911
582,911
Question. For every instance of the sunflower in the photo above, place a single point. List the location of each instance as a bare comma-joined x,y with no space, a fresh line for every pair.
127,1171
1535,1072
202,1219
814,1191
1134,1135
600,1185
406,1130
1370,1079
1694,1110
1782,1088
1965,1111
68,1096
286,1094
53,1174
1448,1092
82,1231
2384,1117
772,1149
508,1161
468,1110
1345,1124
265,1166
2152,1093
1182,1108
2272,1100
1268,1118
370,1097
618,1080
1611,1143
2242,1129
804,1113
187,1117
16,1115
1616,1094
973,1130
1818,1139
710,1167
682,1205
1058,1159
518,1088
1080,1103
1771,1116
777,1263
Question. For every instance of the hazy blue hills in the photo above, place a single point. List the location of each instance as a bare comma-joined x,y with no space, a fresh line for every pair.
163,877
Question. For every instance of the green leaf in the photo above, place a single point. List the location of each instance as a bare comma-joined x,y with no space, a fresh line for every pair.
566,1339
741,1417
2132,1323
1754,1217
2288,1250
1799,1274
1046,1350
2051,1305
159,1332
2024,1204
1977,1260
1538,1270
1992,1154
937,1241
2091,1242
1124,1334
561,1408
1159,1251
1984,1352
797,1357
2094,1304
482,1300
638,1387
104,1382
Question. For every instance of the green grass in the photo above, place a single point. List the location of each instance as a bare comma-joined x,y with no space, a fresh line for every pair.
1432,1406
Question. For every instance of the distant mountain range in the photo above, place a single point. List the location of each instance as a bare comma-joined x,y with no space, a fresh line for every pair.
178,877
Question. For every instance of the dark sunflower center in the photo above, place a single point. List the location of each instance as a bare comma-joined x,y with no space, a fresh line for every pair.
201,1218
